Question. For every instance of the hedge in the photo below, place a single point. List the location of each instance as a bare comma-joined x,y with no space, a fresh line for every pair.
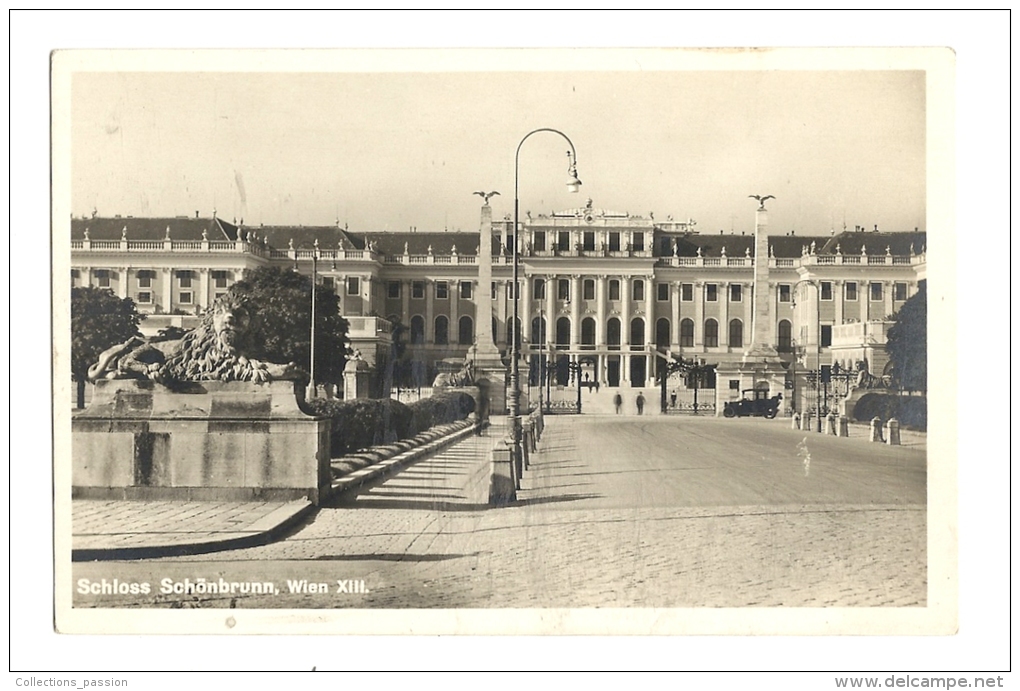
910,411
440,409
365,422
362,422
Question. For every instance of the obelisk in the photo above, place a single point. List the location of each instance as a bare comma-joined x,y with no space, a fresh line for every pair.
761,345
488,365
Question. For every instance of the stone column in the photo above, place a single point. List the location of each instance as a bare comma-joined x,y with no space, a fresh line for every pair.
575,311
525,312
168,289
625,330
762,338
550,309
430,327
600,310
203,288
724,315
649,310
748,298
699,315
366,301
674,312
405,303
865,295
484,338
837,298
454,328
887,293
122,282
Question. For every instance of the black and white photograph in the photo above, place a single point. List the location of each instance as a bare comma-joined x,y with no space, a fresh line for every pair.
388,335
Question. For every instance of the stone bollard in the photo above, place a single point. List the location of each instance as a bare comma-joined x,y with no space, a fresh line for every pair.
892,437
830,424
844,426
796,421
876,430
807,422
502,488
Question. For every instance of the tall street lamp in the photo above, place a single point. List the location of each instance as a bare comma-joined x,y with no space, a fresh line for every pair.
573,185
310,391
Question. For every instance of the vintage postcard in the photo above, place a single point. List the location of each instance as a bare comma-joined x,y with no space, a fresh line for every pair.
504,341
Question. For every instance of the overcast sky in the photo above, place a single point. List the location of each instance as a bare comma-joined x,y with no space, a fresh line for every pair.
393,149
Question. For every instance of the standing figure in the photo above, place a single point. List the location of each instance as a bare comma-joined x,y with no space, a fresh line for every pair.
617,402
672,399
640,403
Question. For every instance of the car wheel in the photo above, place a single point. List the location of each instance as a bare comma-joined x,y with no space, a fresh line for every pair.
771,413
729,412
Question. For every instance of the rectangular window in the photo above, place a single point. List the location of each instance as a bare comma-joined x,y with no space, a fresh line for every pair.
353,285
418,290
144,297
495,290
393,290
465,290
614,289
328,282
563,241
614,242
563,289
711,292
876,291
639,242
663,292
899,292
510,290
185,298
826,335
539,289
850,291
784,292
145,279
734,385
639,290
736,292
588,241
687,292
589,289
184,277
102,278
826,287
539,240
219,279
509,244
442,290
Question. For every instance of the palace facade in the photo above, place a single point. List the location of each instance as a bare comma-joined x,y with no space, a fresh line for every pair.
611,289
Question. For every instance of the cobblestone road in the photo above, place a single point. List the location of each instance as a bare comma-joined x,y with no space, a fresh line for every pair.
649,513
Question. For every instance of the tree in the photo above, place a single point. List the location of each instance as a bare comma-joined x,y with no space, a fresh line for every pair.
99,320
907,342
281,304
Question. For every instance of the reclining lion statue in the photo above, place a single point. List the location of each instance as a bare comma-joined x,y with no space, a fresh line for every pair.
464,377
220,349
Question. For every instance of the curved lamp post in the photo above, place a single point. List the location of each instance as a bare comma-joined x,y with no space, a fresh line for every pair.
573,185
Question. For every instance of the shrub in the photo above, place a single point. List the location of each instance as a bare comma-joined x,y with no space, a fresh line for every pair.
911,411
440,409
362,422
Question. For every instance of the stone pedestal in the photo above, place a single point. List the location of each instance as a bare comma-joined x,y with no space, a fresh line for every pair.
357,379
224,441
502,485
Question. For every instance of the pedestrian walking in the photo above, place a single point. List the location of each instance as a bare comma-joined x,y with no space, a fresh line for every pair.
672,399
618,402
640,403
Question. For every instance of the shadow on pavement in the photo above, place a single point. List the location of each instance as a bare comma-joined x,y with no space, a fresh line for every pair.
394,557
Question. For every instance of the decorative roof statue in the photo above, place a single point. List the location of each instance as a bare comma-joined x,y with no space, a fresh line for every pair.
699,251
486,195
911,249
837,249
761,200
812,247
864,250
123,233
167,237
290,244
747,251
205,235
887,252
772,251
240,235
430,249
406,249
723,253
87,234
453,249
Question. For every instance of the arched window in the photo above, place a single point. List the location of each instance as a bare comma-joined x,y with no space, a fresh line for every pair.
687,333
563,332
785,344
442,330
465,331
637,331
736,333
613,334
538,335
417,329
662,333
588,333
711,333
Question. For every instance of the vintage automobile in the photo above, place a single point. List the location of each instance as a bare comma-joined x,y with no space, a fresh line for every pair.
754,403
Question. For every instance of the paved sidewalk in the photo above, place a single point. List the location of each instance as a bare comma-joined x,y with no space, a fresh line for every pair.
119,529
146,529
